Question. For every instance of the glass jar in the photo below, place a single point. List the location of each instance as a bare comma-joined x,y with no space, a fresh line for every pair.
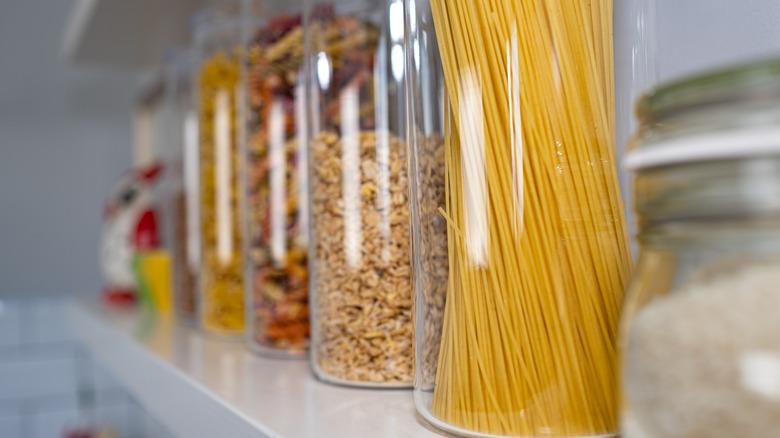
519,242
361,279
699,348
636,72
218,78
277,217
182,182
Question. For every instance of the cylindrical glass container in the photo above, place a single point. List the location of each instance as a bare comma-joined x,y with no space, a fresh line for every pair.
182,188
700,353
361,279
218,79
277,218
636,72
518,231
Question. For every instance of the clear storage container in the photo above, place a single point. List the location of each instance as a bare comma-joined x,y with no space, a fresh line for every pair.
360,263
519,241
699,342
277,217
219,52
182,180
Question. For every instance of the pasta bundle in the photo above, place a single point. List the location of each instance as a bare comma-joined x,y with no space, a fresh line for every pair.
538,251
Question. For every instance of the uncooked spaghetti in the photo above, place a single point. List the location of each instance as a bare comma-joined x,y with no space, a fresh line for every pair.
538,251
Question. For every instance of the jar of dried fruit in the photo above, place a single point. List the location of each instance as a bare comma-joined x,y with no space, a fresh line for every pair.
221,284
277,217
361,288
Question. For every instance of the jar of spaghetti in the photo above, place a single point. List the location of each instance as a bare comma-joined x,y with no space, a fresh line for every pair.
182,187
519,243
699,345
276,190
361,287
218,97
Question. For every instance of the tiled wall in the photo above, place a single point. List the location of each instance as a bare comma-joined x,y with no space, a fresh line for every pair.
48,382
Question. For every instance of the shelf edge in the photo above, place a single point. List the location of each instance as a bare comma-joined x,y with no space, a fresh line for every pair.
185,407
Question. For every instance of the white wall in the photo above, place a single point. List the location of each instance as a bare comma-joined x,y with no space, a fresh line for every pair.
700,34
65,135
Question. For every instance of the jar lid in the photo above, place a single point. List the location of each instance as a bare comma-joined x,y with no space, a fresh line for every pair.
723,92
743,143
754,80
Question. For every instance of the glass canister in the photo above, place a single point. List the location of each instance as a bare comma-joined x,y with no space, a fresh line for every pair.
219,52
277,217
699,347
360,264
636,72
182,182
519,242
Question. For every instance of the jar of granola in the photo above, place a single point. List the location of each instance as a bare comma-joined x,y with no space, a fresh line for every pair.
218,99
361,288
277,217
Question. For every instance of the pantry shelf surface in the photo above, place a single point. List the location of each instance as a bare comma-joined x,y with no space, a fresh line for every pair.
126,34
202,387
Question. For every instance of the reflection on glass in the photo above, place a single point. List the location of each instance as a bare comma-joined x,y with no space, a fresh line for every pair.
472,144
278,186
323,70
191,185
301,240
516,130
350,168
224,176
397,21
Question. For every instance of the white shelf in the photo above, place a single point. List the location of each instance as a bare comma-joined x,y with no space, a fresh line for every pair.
126,33
202,387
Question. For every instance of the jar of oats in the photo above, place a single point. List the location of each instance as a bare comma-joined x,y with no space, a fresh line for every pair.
276,155
361,290
218,99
